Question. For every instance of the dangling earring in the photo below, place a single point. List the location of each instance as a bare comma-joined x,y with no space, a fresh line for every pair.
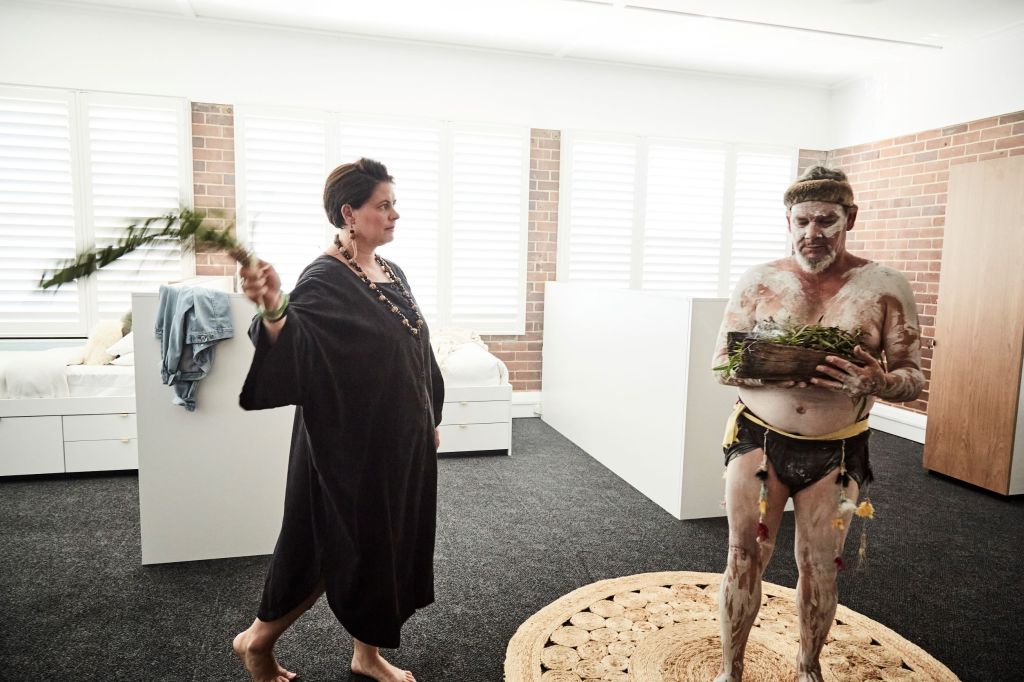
352,238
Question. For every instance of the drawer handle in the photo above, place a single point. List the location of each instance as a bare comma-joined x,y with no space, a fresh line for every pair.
463,402
463,426
125,440
124,414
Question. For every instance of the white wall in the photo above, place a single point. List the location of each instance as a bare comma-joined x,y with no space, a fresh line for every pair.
237,64
958,84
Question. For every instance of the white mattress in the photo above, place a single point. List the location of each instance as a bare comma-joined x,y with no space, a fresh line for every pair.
100,381
42,374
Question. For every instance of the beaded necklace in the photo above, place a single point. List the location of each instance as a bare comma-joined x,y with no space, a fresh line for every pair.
413,329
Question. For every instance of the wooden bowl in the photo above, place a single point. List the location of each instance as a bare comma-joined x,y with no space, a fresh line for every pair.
780,362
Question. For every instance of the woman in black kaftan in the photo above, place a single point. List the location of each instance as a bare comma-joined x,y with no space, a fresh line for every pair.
361,496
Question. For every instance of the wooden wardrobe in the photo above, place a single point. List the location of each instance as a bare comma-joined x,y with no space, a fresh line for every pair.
976,407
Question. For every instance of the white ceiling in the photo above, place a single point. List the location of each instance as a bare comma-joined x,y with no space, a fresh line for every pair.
820,42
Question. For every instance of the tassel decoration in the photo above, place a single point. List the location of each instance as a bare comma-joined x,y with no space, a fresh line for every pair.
762,499
866,510
838,524
862,551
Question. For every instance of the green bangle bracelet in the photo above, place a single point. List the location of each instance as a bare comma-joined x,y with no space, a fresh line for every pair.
275,314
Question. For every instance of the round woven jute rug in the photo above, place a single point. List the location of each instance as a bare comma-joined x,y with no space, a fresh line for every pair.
663,627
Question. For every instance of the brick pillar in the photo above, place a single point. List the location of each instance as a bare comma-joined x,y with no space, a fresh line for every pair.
522,353
809,158
213,176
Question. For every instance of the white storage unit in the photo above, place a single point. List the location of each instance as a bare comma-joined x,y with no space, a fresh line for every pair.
627,378
211,482
476,418
57,435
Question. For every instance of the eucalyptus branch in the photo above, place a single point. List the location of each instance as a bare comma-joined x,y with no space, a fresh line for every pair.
186,226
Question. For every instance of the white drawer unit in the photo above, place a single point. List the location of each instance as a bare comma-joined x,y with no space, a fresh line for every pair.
99,426
101,455
477,418
468,412
55,435
31,445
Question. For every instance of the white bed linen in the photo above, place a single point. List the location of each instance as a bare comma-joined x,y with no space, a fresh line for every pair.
465,361
100,381
34,374
43,374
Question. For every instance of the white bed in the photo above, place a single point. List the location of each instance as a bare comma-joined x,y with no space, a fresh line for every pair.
477,412
56,418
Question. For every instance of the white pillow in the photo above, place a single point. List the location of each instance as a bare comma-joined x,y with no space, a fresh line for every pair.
124,345
102,336
126,360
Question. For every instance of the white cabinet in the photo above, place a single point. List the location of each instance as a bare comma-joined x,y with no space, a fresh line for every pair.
476,418
31,445
57,435
100,442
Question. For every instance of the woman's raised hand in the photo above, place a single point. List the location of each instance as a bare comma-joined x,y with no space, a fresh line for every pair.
261,284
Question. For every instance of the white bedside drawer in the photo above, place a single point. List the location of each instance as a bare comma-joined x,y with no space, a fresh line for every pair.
467,412
462,437
31,445
99,426
101,455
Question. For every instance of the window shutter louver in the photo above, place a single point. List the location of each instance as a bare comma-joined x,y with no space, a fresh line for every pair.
488,223
412,156
135,172
601,212
683,219
759,217
281,182
37,224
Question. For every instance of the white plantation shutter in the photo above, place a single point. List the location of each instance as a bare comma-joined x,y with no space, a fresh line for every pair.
600,212
412,155
488,225
280,182
759,218
37,225
135,171
683,219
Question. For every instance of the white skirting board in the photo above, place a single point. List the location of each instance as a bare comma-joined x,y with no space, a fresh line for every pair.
898,422
526,404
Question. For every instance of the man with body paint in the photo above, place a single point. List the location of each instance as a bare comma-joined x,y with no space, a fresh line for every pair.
808,440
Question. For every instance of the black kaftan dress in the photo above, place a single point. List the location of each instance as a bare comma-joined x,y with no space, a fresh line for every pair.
361,496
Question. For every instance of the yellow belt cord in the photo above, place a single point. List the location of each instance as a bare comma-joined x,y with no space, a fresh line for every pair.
732,428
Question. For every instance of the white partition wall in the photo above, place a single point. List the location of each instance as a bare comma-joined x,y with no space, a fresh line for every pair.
627,378
211,482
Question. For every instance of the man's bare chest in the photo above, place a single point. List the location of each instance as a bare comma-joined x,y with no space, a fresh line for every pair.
847,309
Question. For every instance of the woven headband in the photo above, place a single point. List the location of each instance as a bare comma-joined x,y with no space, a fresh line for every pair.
827,190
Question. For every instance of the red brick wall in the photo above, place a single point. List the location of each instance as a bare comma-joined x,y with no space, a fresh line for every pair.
213,175
900,185
522,354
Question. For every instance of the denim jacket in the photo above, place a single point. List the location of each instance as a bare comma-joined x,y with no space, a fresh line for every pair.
189,323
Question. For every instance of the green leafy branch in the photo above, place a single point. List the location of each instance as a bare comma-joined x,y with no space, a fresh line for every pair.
186,226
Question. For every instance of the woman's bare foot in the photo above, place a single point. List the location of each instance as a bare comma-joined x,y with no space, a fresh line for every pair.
368,661
259,662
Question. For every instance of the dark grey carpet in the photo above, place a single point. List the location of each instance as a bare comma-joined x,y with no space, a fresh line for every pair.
514,534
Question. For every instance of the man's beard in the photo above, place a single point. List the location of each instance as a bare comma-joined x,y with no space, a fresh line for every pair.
814,267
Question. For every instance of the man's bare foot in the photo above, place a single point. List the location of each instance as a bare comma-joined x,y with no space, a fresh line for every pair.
809,676
259,663
373,665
